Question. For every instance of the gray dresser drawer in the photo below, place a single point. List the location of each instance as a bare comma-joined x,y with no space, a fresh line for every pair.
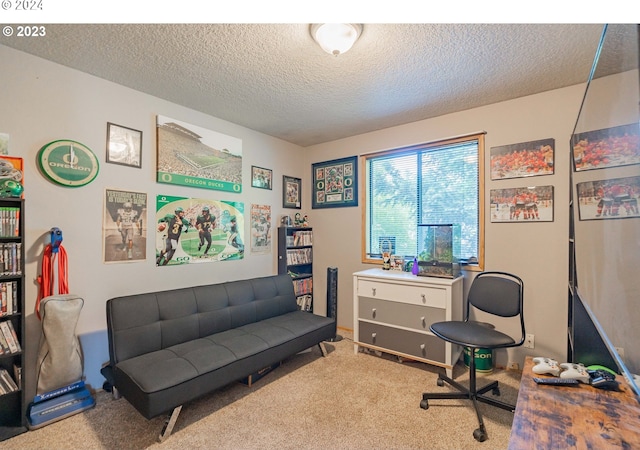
411,343
401,314
418,294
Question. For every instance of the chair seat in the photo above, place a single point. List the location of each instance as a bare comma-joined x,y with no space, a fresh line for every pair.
471,334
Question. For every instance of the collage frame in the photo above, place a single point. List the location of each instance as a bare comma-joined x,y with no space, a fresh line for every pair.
342,189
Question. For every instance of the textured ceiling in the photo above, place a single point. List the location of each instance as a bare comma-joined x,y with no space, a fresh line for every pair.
273,78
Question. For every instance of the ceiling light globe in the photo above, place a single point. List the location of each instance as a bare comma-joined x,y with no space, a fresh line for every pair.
335,38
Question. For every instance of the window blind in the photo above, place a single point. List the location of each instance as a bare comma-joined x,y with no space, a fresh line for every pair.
431,184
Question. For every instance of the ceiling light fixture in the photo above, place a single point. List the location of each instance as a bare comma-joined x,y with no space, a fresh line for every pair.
335,38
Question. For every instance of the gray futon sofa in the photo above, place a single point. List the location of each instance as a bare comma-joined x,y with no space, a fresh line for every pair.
168,348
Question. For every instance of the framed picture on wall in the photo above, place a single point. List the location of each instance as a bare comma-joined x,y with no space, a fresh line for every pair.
193,156
609,147
124,227
261,178
223,239
526,159
124,146
335,183
522,204
616,198
291,192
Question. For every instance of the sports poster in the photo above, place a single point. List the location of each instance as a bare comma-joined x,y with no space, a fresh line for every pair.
261,228
198,230
615,198
609,147
526,159
522,204
124,231
192,156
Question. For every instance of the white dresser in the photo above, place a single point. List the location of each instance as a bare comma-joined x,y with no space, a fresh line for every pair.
392,312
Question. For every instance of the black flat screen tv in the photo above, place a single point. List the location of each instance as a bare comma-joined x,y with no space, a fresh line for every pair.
605,221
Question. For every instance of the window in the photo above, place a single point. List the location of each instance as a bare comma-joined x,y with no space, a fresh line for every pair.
433,183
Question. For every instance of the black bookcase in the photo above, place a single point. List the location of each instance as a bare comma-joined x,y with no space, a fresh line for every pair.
12,317
295,257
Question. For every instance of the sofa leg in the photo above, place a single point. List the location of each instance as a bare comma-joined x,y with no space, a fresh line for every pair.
323,349
169,423
114,393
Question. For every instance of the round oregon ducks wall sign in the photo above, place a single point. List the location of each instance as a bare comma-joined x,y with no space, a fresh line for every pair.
68,163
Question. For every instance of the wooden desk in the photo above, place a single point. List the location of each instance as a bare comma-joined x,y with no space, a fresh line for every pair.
583,417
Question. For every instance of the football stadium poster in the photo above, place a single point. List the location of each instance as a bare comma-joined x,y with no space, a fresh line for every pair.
124,231
192,156
198,230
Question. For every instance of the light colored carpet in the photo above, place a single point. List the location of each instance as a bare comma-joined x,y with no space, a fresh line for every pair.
342,401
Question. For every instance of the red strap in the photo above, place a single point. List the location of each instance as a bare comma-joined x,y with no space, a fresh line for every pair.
46,280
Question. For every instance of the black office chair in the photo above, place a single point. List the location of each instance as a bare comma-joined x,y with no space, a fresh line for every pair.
496,293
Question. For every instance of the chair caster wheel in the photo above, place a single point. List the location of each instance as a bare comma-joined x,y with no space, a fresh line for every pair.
440,382
496,391
479,435
424,404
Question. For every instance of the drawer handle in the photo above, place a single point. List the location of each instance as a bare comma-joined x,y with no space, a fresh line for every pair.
373,291
423,320
422,346
373,335
373,312
424,297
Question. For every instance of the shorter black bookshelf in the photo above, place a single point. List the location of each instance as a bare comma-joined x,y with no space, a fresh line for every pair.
295,257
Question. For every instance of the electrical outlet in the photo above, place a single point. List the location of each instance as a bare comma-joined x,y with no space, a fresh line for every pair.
529,341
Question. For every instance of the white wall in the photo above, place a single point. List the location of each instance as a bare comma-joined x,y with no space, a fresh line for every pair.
42,102
537,252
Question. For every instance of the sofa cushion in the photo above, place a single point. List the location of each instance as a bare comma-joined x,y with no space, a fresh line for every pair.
268,332
298,322
157,370
182,362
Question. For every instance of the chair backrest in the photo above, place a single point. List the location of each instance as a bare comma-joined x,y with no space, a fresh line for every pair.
497,293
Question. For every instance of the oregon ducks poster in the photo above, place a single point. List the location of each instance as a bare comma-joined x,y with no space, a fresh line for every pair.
198,230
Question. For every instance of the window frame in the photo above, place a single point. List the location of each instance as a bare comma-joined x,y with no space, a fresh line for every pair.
364,183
